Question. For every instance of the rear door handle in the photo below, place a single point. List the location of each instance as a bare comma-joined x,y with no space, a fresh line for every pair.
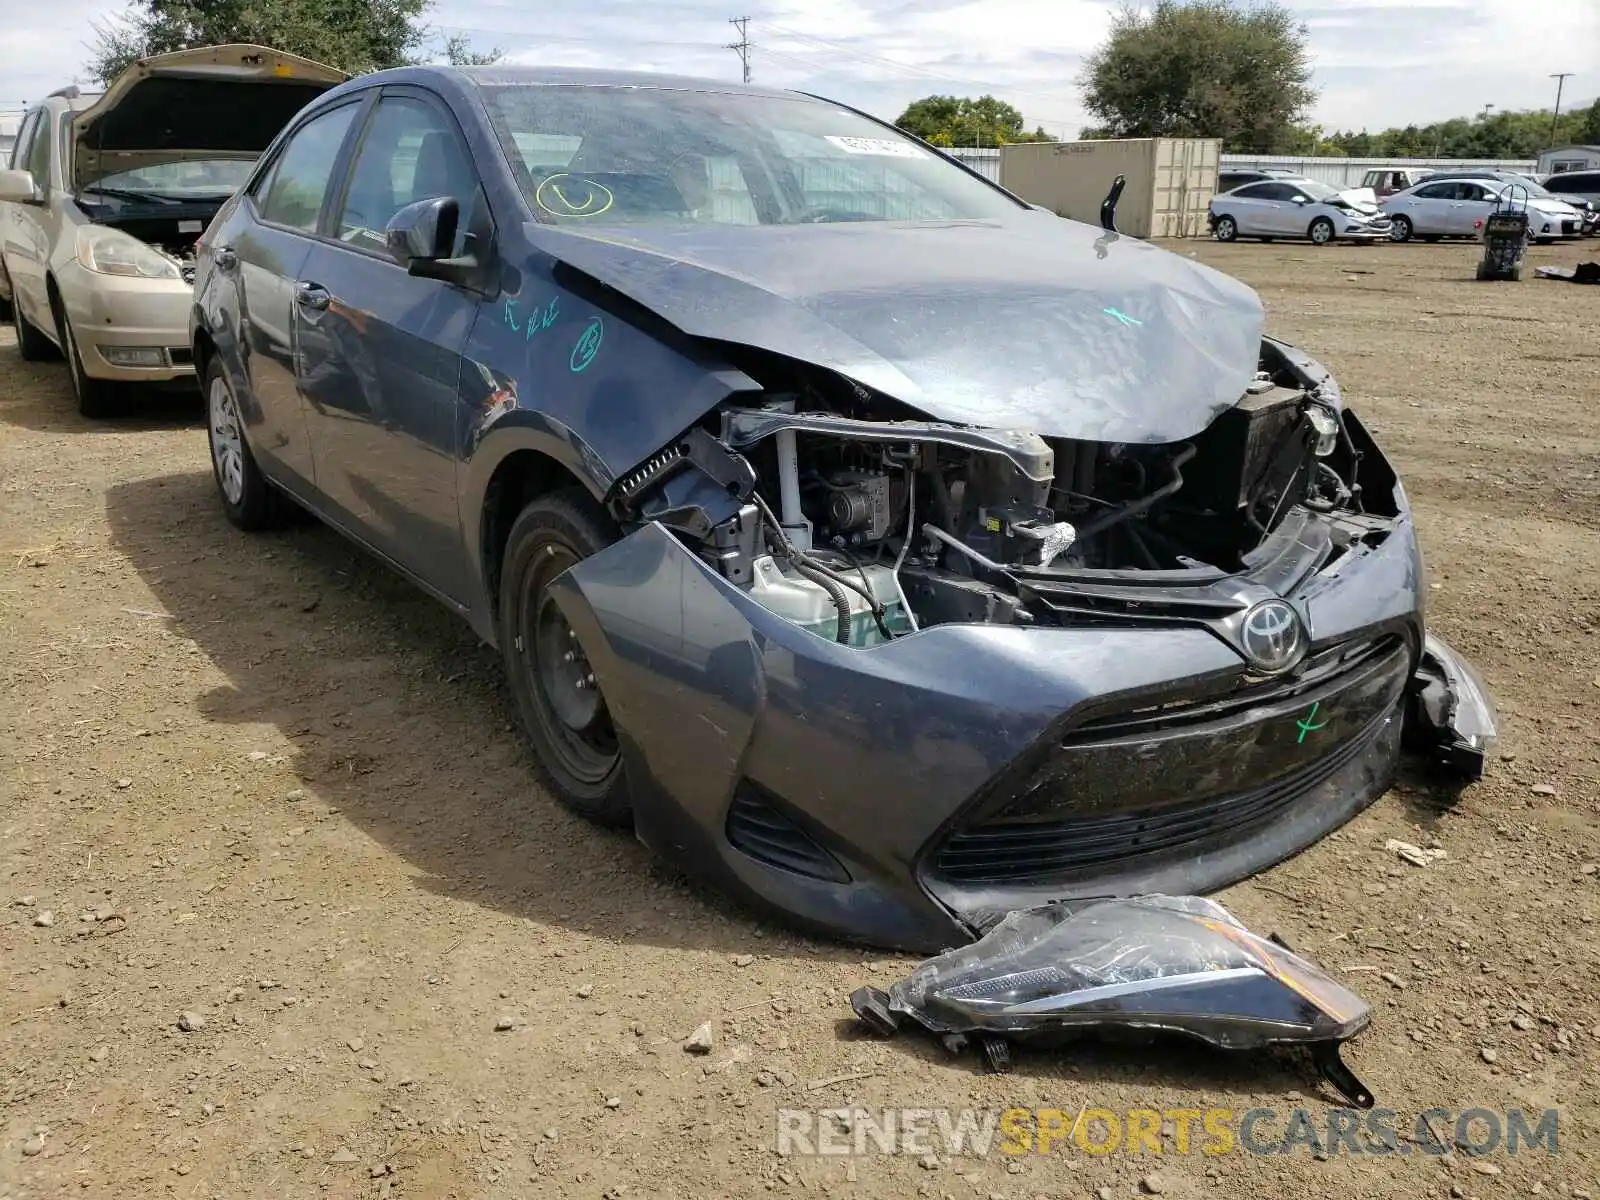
313,296
225,258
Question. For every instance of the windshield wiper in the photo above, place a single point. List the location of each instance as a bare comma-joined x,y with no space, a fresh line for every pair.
130,194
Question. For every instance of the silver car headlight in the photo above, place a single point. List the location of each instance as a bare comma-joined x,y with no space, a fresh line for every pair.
109,251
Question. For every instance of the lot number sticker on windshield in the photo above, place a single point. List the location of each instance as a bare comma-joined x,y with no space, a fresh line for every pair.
885,147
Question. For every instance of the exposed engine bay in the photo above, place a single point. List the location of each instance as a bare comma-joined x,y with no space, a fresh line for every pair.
845,513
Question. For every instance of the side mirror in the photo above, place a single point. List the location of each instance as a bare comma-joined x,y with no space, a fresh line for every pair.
17,187
1302,199
423,233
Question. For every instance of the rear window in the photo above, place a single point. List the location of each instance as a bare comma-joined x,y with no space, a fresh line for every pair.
630,155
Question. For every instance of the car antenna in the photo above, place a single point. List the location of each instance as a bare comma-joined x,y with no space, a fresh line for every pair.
1108,206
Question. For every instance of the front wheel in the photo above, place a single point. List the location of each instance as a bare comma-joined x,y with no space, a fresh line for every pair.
1321,231
1227,229
1400,229
562,709
95,397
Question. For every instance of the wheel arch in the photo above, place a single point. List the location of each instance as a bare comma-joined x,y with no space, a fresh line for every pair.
525,463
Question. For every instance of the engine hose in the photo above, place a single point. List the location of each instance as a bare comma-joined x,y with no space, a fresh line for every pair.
840,601
1144,503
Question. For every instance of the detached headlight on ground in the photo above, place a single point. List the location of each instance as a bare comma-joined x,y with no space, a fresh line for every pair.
112,252
1158,964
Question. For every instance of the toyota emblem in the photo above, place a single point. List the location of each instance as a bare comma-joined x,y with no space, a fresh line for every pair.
1272,637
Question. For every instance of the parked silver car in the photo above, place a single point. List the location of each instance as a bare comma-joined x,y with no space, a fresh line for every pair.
1458,208
1294,208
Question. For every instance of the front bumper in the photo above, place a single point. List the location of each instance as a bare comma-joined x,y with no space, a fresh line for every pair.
911,794
111,313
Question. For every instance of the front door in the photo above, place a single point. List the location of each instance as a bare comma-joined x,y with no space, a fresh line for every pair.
381,360
28,238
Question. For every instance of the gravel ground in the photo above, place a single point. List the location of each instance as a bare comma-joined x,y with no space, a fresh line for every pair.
298,872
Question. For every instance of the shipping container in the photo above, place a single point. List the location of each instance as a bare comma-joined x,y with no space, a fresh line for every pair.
1170,181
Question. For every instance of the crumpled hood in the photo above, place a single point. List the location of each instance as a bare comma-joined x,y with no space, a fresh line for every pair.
1032,323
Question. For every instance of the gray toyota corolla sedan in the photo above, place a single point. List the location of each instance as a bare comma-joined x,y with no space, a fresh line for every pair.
890,551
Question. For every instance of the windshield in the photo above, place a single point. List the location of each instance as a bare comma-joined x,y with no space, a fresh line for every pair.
647,156
180,180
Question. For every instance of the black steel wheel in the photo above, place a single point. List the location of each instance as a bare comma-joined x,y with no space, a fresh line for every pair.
562,707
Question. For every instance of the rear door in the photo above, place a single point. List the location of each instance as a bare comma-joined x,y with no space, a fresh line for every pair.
1252,209
269,245
383,348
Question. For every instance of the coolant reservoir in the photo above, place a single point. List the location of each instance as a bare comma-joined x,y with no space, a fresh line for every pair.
800,601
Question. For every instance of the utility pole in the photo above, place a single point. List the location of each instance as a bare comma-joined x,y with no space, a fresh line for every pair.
1561,78
1484,115
743,44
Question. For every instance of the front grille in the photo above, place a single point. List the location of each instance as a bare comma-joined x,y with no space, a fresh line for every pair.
760,829
180,356
187,271
1167,777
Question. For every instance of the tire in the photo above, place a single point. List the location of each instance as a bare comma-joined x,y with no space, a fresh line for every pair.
1321,232
32,344
562,711
248,500
1227,230
1400,229
96,397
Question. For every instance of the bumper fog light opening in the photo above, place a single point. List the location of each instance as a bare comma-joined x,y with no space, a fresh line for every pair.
134,356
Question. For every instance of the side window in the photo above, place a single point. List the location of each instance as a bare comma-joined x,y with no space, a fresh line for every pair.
19,152
39,153
409,152
1437,191
292,193
1256,191
1279,191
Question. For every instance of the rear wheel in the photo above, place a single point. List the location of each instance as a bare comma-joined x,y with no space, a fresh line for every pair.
561,706
1400,229
1227,229
248,500
32,344
1321,231
96,397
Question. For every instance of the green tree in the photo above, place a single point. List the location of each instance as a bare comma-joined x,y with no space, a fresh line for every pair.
458,52
1202,68
353,35
963,121
1589,130
1500,135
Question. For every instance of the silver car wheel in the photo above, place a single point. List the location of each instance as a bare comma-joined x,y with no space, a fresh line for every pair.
227,442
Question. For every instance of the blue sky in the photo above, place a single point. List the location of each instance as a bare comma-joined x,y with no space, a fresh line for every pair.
1378,62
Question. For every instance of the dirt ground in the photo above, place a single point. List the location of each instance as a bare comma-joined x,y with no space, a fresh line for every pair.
263,782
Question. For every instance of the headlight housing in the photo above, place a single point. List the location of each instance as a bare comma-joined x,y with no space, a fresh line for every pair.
109,251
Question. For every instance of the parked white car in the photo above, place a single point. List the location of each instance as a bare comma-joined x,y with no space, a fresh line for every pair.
1458,208
1294,208
104,196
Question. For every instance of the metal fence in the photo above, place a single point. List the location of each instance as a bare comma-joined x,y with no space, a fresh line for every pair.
1337,172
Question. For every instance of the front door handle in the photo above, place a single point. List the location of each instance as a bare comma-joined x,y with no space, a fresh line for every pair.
225,258
313,296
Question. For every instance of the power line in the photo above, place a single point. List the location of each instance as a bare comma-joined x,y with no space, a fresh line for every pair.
743,44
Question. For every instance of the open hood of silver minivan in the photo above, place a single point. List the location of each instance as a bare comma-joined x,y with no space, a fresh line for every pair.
212,102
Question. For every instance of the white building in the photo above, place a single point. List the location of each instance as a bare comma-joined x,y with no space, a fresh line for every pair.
1569,158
